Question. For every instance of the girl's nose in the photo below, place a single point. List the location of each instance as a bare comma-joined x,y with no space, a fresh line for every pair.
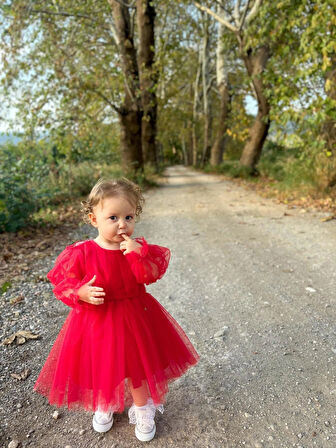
122,224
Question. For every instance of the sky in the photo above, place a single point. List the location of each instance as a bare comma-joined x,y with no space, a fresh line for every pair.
250,106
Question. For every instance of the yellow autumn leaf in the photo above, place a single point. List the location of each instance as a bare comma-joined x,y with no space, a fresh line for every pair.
327,85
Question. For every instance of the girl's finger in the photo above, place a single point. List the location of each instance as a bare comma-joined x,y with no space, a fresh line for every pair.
126,237
96,301
92,280
97,288
97,294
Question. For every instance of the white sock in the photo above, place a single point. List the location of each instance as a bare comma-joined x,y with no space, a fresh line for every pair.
141,407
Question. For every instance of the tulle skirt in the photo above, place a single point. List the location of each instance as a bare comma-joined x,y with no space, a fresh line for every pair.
97,351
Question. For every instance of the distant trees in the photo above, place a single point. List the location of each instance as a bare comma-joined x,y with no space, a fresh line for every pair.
176,76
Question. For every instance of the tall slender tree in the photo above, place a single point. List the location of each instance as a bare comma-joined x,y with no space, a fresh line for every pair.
255,60
222,77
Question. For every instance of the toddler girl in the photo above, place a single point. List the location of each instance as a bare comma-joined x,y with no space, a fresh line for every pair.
118,346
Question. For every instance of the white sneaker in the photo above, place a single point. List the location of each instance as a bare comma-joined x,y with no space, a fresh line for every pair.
143,419
102,421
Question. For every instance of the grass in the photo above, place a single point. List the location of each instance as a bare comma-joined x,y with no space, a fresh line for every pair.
287,174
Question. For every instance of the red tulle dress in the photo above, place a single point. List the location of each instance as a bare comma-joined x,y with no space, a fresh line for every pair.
129,336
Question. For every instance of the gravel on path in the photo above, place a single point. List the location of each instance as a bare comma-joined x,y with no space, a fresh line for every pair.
253,285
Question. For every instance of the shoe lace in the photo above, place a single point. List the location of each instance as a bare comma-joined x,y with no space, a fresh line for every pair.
145,418
103,417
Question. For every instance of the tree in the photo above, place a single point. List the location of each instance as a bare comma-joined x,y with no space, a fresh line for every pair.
255,60
84,54
222,76
148,78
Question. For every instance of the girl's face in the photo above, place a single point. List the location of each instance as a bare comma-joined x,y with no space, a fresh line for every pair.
112,217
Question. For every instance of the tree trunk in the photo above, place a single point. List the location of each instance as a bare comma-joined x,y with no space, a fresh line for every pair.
130,115
329,127
188,132
206,84
130,140
255,64
195,114
330,90
148,78
217,149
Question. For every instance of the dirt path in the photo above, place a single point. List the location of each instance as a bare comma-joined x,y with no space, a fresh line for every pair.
253,285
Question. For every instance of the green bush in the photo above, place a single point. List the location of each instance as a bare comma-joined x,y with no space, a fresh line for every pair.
39,174
18,197
275,160
231,168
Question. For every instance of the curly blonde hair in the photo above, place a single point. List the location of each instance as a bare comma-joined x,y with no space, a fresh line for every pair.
106,188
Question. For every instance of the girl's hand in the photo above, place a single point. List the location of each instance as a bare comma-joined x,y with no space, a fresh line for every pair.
91,294
129,245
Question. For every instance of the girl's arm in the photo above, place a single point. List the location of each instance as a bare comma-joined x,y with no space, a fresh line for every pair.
149,262
68,275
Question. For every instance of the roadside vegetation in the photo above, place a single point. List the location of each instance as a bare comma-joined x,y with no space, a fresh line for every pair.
109,88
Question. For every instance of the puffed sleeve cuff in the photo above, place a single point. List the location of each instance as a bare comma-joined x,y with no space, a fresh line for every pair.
150,264
68,293
67,275
135,256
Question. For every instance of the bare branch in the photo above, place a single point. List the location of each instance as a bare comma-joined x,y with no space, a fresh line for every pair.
242,20
60,13
101,95
104,97
220,19
65,14
254,11
236,13
227,11
114,34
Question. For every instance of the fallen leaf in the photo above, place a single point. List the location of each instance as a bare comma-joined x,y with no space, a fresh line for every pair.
43,243
21,337
17,299
328,218
21,376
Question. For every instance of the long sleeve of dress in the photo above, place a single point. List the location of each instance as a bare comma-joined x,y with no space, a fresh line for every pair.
150,264
68,275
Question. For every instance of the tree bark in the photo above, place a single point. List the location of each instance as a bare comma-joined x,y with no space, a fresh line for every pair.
130,115
148,79
217,149
193,160
255,63
130,140
329,127
206,84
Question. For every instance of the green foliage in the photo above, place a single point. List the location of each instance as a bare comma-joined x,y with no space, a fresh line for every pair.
301,168
231,168
38,174
18,196
274,160
5,287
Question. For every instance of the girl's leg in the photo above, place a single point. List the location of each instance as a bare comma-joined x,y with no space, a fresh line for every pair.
142,413
140,394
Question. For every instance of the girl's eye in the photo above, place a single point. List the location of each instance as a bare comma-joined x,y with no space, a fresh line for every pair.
113,218
129,218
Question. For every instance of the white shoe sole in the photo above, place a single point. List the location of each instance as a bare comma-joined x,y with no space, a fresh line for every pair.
145,436
99,427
